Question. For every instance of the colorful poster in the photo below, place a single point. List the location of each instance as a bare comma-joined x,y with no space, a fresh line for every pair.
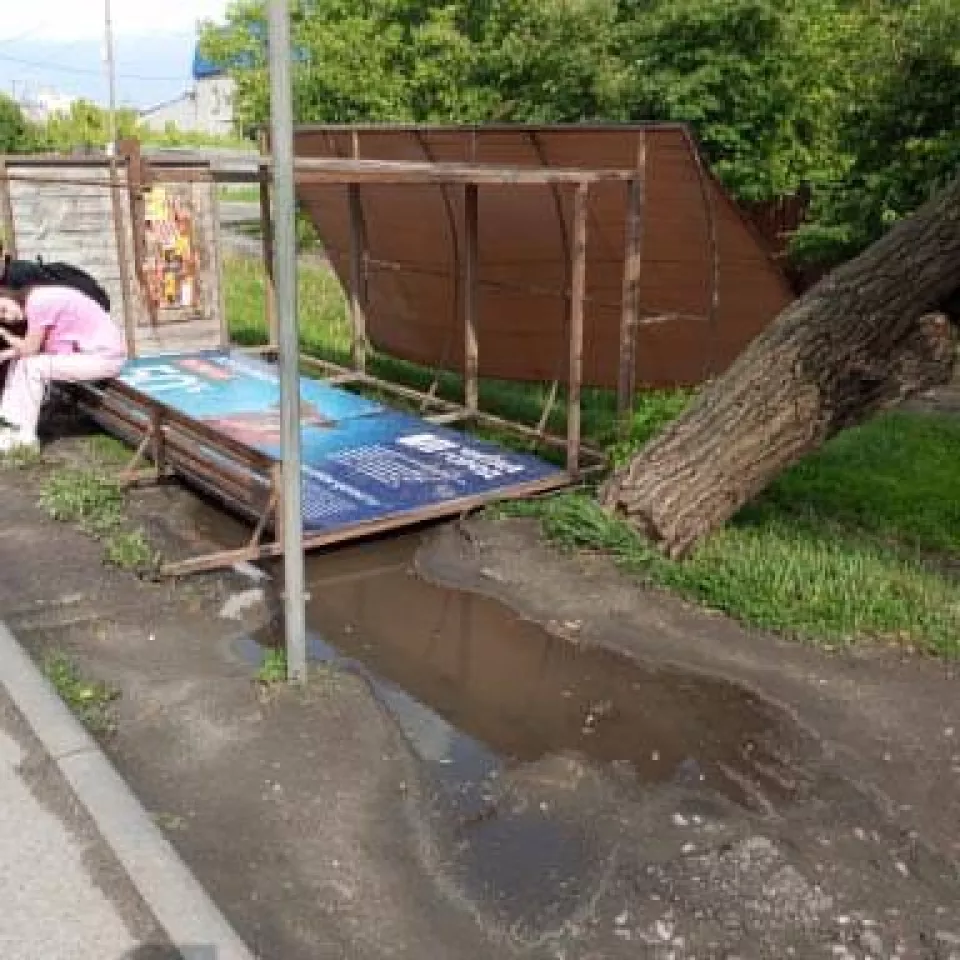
361,460
170,265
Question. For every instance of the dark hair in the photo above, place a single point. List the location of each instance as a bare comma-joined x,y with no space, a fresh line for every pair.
18,295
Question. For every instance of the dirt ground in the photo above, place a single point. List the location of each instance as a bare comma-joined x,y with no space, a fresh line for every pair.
315,824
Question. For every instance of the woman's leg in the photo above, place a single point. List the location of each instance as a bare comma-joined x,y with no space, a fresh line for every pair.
27,381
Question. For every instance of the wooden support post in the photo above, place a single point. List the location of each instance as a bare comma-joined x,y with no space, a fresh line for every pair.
154,441
159,442
266,234
578,295
136,183
358,278
215,265
471,361
123,261
130,473
7,222
627,381
269,511
548,406
453,416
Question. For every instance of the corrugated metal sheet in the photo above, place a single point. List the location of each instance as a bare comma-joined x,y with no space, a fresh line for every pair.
708,284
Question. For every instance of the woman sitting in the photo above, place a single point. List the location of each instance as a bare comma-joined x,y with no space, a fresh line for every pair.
68,337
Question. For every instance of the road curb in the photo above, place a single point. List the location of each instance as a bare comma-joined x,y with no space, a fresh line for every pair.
169,889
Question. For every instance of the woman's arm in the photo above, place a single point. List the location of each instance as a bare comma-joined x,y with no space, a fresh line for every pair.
26,346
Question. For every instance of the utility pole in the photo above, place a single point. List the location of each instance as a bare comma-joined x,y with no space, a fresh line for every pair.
285,276
116,203
111,79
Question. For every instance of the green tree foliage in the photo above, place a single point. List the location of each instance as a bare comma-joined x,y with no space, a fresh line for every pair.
83,126
86,126
899,135
850,101
544,61
698,62
15,132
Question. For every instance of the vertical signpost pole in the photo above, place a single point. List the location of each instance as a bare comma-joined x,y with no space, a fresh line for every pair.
285,276
116,203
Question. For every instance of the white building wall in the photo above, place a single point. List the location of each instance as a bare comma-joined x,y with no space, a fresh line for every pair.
214,99
208,108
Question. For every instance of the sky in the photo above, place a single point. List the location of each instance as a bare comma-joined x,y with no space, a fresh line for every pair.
58,45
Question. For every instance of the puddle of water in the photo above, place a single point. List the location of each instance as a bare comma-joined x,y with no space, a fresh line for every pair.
476,690
468,679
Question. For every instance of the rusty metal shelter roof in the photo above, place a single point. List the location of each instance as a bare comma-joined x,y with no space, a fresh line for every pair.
706,283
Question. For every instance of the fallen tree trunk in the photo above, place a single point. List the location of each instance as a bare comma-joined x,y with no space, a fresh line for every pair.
866,337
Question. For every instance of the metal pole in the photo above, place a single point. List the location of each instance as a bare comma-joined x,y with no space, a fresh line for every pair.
111,78
116,203
285,277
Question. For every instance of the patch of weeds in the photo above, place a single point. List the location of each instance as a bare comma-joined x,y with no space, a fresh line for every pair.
171,822
652,412
273,668
94,502
106,450
91,700
21,458
85,497
322,678
130,550
307,237
576,521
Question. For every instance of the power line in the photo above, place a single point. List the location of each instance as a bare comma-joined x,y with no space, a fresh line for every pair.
9,41
88,71
42,25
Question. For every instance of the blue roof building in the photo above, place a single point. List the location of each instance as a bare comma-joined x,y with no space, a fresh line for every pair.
205,108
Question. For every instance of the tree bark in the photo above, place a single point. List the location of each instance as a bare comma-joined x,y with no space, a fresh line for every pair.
863,339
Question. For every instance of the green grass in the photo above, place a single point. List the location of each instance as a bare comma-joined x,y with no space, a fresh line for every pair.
21,458
324,330
107,451
85,497
93,501
129,550
239,193
92,701
847,546
273,668
897,479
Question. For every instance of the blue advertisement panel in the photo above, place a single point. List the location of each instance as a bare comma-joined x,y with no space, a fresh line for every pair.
361,460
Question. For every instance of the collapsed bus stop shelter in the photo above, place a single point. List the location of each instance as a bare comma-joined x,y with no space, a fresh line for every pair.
606,257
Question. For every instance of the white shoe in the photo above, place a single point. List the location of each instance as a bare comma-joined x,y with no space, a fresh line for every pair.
11,440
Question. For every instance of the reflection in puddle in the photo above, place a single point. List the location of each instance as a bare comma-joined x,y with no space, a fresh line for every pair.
476,690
